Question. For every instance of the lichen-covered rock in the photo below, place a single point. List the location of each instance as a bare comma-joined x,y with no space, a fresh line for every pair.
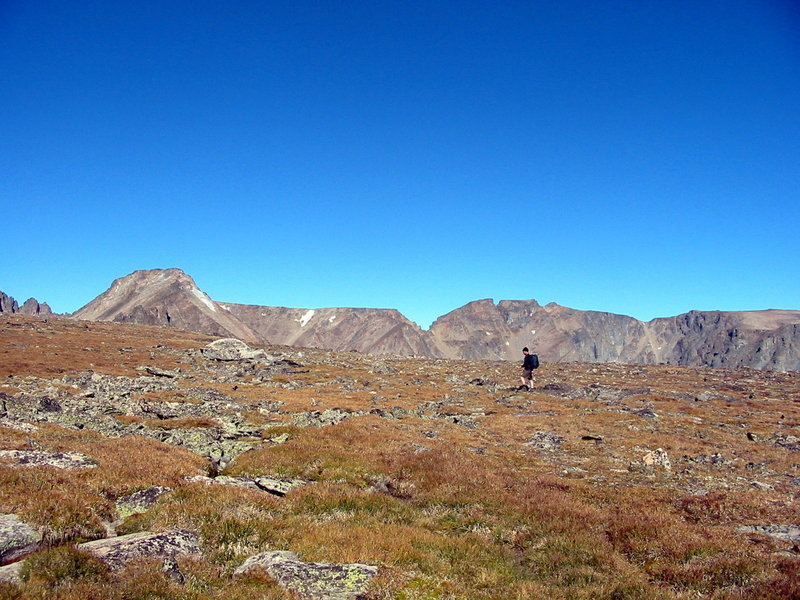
314,581
116,552
10,573
39,458
278,487
228,349
140,501
17,538
271,485
330,416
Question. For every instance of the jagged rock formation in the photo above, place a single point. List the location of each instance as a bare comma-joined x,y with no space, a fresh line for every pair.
479,330
31,306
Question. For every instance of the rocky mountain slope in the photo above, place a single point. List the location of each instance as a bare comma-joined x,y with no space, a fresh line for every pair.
167,297
372,330
767,339
144,462
31,306
479,330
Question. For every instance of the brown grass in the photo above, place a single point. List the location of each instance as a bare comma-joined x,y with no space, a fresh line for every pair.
448,511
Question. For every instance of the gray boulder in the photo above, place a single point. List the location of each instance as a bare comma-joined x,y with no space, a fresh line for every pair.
314,581
231,349
17,538
116,552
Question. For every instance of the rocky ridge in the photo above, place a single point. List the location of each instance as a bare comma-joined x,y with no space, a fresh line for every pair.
31,306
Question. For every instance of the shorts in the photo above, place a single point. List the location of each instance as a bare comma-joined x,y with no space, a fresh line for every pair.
527,374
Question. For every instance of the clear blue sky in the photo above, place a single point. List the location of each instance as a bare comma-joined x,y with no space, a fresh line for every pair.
639,157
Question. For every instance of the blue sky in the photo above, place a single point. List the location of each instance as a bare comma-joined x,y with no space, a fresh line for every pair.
635,157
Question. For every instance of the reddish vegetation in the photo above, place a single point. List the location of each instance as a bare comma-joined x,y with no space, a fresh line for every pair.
452,482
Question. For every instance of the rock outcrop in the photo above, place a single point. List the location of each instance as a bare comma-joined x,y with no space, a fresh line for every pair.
31,306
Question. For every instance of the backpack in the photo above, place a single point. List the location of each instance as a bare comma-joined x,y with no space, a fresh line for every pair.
535,361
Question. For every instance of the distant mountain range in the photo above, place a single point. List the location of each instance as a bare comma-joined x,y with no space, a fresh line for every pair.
768,339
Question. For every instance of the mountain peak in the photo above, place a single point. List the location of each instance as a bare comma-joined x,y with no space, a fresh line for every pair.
163,297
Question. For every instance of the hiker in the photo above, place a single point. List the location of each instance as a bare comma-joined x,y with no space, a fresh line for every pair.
529,363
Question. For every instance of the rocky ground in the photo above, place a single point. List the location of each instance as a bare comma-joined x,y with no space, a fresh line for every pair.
140,462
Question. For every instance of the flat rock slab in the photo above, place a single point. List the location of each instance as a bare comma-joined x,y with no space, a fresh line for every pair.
17,538
271,485
314,581
10,573
116,552
39,458
140,501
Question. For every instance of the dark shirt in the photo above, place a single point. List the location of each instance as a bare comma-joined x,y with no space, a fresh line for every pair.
527,363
